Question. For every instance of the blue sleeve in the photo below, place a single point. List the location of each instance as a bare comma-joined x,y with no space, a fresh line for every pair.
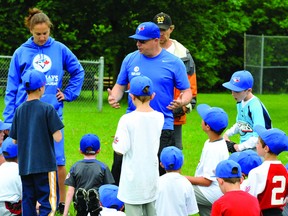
123,78
72,65
13,82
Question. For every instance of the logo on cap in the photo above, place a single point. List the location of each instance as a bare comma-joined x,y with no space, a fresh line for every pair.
236,79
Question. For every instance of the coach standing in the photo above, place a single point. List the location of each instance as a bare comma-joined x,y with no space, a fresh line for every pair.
44,54
166,72
164,22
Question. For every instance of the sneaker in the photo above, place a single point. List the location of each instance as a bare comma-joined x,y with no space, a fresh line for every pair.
80,200
93,201
61,207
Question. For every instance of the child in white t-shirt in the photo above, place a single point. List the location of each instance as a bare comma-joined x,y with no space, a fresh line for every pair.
111,205
214,122
176,194
137,139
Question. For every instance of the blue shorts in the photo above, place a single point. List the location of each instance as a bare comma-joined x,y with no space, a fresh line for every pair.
59,151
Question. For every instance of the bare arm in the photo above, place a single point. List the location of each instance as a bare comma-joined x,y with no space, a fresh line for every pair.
199,181
57,136
115,95
184,98
69,198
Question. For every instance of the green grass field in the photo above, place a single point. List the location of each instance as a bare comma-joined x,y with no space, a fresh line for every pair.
104,125
89,120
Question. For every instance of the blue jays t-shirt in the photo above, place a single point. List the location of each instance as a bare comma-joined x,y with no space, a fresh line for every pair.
166,72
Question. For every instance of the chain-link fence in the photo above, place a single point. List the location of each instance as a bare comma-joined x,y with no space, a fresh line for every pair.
92,91
266,57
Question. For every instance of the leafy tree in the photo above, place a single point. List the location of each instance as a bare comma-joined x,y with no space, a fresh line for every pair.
212,30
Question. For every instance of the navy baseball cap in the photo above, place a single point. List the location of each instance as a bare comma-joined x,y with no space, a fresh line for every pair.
33,79
240,81
162,20
10,148
171,158
228,169
274,138
108,196
89,141
4,126
248,160
146,31
138,84
215,117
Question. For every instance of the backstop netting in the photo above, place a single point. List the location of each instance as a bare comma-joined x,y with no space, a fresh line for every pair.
266,57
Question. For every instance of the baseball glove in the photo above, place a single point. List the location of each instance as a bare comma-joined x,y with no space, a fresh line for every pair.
230,146
178,112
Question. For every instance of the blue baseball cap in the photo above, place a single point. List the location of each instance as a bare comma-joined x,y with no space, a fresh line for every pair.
138,84
234,156
248,160
274,138
228,169
240,81
33,79
215,117
146,31
89,141
10,148
108,196
4,126
171,158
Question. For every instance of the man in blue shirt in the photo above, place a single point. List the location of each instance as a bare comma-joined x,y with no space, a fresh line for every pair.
166,72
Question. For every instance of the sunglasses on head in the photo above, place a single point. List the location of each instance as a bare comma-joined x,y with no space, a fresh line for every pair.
142,41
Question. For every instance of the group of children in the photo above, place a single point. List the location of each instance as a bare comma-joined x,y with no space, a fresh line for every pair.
261,186
205,192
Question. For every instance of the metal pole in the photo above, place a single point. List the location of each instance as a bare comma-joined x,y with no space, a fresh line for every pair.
100,84
262,63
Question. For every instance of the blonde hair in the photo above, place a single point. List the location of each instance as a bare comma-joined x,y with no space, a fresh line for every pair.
36,16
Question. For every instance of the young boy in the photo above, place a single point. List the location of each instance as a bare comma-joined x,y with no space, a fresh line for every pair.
247,160
234,201
85,178
180,198
111,205
250,111
35,125
214,122
269,181
137,139
11,187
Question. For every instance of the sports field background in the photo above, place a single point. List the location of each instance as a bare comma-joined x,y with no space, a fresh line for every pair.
104,124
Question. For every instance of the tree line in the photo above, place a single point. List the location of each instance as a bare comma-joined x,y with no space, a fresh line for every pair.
212,30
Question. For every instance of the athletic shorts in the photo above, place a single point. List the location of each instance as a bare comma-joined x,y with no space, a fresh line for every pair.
59,151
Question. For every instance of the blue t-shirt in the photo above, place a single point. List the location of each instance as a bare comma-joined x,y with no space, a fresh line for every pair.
166,72
33,126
